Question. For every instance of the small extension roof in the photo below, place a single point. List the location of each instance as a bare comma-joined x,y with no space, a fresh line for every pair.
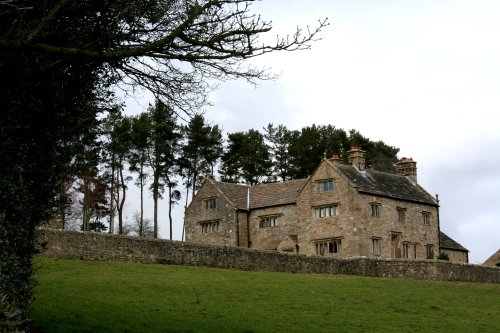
445,242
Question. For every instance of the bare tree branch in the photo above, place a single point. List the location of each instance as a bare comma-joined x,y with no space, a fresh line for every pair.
170,47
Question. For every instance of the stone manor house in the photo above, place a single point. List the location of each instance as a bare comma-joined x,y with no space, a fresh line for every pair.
342,210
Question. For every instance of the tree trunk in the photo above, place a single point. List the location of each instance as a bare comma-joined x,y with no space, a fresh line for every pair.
111,197
121,202
170,209
156,179
141,181
195,175
86,208
185,206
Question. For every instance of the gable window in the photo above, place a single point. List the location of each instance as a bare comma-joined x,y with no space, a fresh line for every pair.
326,185
327,211
328,246
209,227
426,218
429,250
268,221
210,203
401,214
375,207
376,246
406,250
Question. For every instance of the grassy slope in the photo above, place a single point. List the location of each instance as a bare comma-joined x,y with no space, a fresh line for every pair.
79,296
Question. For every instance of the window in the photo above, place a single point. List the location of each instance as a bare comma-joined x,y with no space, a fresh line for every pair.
406,250
269,221
376,246
429,249
426,218
322,212
375,209
210,203
401,214
326,185
209,227
415,250
328,246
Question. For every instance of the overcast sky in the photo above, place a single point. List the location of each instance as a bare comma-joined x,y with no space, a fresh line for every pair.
423,76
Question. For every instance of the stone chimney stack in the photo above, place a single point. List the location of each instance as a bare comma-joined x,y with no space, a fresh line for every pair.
407,167
356,158
336,159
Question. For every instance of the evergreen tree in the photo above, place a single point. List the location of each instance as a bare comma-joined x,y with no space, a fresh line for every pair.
164,144
280,139
306,150
246,158
201,150
231,160
94,203
117,147
379,156
138,157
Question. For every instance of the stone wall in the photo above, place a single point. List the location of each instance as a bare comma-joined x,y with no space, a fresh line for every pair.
231,224
269,238
455,255
94,246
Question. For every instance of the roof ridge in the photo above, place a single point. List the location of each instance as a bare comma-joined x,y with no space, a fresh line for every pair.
281,182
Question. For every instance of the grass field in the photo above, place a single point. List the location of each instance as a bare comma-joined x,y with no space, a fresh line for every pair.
82,296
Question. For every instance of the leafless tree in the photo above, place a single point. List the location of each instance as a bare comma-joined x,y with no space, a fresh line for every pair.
178,49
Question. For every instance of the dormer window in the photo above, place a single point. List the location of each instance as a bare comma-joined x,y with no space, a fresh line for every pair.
210,203
326,185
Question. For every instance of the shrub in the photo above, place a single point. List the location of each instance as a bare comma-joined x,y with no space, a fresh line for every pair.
443,256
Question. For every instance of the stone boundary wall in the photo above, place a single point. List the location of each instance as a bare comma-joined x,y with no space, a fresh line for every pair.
63,244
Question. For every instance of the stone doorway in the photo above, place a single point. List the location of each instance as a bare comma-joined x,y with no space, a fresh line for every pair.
395,245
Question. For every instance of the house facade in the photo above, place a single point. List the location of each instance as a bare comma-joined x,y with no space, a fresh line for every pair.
342,210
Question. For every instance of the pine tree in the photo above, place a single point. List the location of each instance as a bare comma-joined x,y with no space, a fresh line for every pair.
164,140
138,157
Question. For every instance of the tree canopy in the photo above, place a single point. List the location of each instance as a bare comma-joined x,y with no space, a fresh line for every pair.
61,59
171,47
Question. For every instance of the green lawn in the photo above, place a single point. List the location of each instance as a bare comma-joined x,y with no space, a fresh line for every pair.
83,296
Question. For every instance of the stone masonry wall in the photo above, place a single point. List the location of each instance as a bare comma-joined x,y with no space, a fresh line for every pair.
64,244
269,238
230,225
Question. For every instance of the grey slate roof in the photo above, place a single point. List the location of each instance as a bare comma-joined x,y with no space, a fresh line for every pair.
446,242
263,195
386,184
370,182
